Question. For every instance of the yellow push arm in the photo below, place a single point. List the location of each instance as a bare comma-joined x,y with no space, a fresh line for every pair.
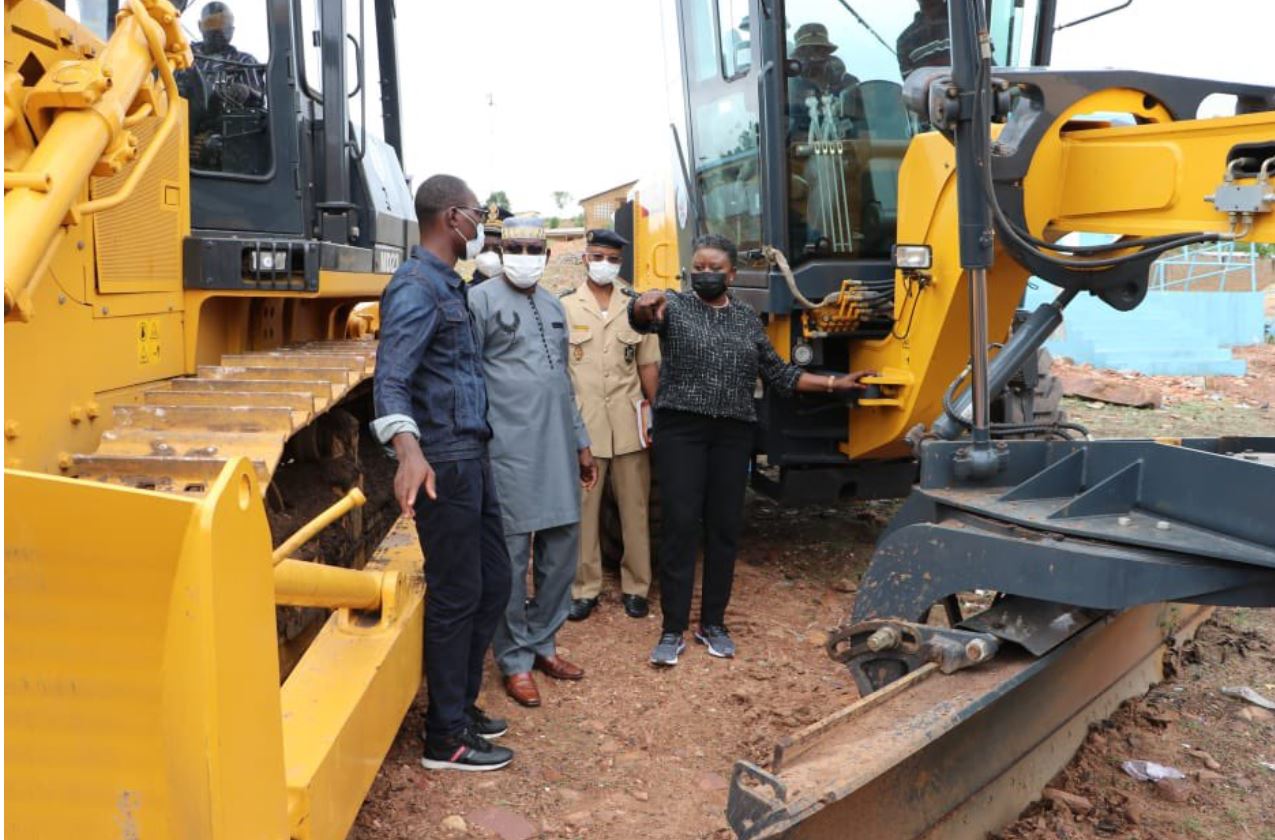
78,111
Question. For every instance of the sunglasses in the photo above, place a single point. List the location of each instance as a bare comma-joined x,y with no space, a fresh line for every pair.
535,249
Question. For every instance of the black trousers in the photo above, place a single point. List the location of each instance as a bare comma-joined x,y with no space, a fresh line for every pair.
702,466
467,579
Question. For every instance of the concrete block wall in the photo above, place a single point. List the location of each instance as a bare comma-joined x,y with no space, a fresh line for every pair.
1170,333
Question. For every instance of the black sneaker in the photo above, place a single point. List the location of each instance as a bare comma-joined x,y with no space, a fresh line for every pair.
488,727
635,606
581,607
716,638
467,751
666,651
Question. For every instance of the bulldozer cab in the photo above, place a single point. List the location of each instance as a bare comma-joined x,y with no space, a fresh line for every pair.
797,124
294,139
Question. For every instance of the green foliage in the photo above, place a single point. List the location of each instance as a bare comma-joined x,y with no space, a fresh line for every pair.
499,199
561,198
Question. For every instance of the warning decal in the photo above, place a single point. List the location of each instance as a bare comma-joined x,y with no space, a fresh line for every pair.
147,341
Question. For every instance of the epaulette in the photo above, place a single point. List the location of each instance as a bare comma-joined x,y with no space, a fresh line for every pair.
628,291
565,292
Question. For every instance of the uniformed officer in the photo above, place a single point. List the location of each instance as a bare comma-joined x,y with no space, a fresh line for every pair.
487,264
614,369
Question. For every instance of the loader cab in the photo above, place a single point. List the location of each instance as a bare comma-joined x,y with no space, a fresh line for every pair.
796,126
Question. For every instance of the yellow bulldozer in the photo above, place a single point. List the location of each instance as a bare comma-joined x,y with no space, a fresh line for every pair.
213,622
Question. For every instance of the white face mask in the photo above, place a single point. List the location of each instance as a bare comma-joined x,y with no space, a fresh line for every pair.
475,245
524,270
488,262
603,273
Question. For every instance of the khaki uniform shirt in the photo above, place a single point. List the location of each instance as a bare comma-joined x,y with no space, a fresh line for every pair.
603,359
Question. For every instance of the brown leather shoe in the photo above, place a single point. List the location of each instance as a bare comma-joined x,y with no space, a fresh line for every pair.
558,668
522,688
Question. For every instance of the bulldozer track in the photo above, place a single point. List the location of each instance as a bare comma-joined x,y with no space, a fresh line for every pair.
182,432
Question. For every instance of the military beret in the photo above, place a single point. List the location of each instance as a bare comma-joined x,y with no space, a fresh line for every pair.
606,238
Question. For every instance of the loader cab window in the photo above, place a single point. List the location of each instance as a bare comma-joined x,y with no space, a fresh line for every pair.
227,89
846,122
723,100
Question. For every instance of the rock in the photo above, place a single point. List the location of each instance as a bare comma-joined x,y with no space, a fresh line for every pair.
629,757
569,795
455,824
507,824
576,819
594,725
1133,813
1093,386
641,796
1074,802
1208,776
1206,759
845,585
1243,783
816,638
1173,790
711,782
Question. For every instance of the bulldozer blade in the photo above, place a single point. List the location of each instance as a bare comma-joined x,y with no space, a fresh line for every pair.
952,757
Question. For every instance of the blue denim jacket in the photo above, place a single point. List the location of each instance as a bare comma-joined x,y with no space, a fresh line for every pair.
429,378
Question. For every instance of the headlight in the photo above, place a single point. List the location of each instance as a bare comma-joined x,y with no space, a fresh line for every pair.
268,260
912,257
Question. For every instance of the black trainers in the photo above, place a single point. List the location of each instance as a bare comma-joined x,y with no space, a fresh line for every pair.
467,751
635,606
581,607
488,727
666,651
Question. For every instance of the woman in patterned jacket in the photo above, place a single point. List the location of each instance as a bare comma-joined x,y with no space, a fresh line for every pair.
714,348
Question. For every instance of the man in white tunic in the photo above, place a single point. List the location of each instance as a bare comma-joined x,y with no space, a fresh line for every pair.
539,454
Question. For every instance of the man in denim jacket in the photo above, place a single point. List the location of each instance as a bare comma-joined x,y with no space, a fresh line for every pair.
431,406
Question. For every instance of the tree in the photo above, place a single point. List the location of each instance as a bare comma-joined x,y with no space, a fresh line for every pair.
498,198
562,199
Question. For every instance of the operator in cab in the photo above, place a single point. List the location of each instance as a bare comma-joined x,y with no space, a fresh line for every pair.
487,263
431,407
926,41
540,454
227,93
615,371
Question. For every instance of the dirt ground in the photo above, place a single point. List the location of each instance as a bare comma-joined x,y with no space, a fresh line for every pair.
634,752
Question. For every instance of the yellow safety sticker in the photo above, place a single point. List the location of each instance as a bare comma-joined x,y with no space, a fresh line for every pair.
584,327
147,341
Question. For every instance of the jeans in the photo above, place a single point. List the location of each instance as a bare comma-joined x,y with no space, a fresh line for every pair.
467,587
702,465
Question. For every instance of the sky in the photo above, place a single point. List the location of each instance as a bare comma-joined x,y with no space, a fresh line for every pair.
577,87
571,95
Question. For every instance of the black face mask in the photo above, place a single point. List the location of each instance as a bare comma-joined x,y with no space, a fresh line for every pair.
709,285
217,40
